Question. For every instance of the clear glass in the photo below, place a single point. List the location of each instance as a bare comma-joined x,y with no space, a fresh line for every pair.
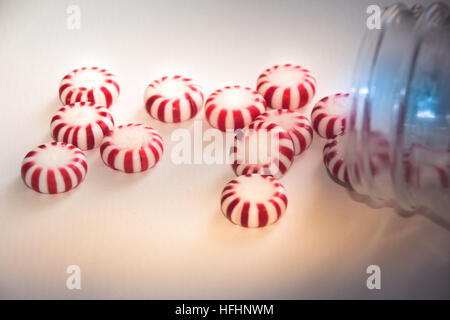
397,146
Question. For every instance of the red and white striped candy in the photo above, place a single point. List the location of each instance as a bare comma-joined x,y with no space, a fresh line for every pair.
380,158
263,148
428,176
427,168
329,115
297,125
132,148
334,150
173,99
83,124
54,167
334,161
233,107
89,85
254,201
287,86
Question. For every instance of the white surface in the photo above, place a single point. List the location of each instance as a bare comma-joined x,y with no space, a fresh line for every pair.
242,201
160,234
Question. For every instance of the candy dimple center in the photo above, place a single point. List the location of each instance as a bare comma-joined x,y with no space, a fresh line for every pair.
338,106
287,77
131,137
235,98
80,116
172,89
285,120
88,79
53,157
255,189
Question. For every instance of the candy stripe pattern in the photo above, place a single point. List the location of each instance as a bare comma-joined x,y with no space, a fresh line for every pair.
254,201
427,168
334,162
54,168
233,107
328,116
280,155
132,148
379,153
89,85
428,176
83,124
173,99
287,86
297,125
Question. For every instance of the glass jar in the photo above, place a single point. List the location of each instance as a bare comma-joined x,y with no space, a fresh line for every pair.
397,140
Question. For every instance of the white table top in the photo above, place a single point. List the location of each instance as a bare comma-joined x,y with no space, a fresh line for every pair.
161,234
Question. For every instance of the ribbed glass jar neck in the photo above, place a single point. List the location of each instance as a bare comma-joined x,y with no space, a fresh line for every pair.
398,134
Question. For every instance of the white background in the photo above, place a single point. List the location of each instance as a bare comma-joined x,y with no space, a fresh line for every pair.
161,234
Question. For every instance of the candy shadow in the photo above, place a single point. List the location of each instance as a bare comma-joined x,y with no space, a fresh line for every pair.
104,178
22,199
224,232
165,129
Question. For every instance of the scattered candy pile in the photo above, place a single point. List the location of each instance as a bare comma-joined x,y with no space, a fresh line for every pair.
255,198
